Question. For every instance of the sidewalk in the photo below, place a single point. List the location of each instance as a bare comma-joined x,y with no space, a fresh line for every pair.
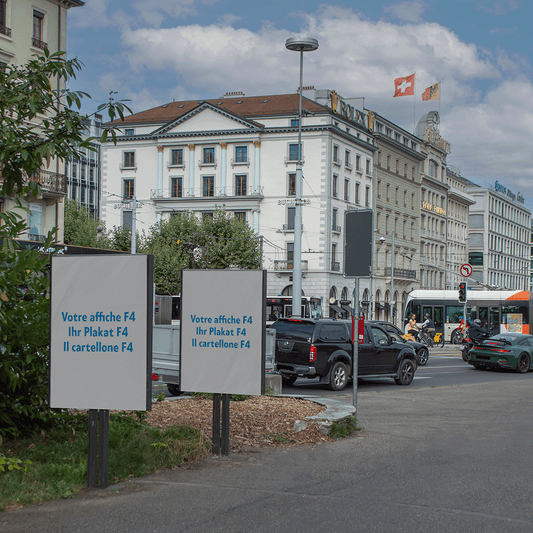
439,459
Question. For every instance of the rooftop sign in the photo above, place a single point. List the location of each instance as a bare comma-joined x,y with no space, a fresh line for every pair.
340,107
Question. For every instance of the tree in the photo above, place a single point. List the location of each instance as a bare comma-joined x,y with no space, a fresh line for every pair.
81,229
184,241
27,141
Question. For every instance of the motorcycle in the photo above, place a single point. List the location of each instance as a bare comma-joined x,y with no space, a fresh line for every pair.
469,343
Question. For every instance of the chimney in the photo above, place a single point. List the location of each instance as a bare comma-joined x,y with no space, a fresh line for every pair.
234,94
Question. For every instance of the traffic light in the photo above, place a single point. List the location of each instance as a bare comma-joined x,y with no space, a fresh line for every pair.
462,292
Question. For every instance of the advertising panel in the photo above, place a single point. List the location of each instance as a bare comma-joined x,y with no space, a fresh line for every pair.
101,332
222,331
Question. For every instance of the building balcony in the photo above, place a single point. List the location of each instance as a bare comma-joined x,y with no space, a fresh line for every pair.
401,273
239,162
51,183
335,266
335,228
38,43
36,238
218,192
5,30
281,264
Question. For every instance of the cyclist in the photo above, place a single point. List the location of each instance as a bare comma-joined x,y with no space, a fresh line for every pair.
413,328
428,326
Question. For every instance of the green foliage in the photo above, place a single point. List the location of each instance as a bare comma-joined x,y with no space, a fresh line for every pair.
27,93
81,229
344,428
209,396
24,331
12,463
58,458
185,241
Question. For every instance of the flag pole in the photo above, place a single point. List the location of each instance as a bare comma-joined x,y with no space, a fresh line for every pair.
414,104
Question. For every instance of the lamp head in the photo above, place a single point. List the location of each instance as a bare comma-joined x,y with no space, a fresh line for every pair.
382,240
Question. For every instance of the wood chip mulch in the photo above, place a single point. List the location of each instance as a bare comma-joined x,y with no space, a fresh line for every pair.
258,421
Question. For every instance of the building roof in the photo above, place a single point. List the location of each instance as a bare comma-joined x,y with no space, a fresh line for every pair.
251,106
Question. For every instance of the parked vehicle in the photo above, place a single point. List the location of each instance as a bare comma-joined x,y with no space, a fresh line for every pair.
323,348
503,351
421,350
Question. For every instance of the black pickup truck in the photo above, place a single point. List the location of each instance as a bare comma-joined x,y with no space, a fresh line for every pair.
323,348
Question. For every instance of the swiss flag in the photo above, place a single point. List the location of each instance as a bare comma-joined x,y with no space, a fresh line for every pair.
404,86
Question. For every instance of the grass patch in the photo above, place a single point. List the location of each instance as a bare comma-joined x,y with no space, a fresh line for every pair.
344,428
53,464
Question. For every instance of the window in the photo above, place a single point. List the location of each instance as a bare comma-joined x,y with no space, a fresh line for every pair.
208,183
241,154
83,172
291,211
334,265
357,193
129,132
74,170
176,187
388,192
176,156
240,215
367,196
82,195
38,27
335,220
127,218
336,154
240,185
358,163
347,163
3,20
397,166
294,122
347,190
396,198
290,255
208,215
129,159
129,189
293,152
91,174
292,185
209,156
334,192
388,162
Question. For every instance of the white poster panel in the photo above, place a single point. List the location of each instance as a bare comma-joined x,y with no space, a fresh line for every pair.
222,328
100,341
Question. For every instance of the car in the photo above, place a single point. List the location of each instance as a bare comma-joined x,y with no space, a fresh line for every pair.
323,348
512,351
421,350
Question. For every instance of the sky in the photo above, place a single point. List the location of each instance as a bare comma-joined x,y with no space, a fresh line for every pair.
153,52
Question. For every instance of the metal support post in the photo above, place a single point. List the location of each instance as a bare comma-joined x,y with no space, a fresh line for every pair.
92,455
103,448
225,424
216,424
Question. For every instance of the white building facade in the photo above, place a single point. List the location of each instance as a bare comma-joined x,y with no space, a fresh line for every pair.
499,238
241,152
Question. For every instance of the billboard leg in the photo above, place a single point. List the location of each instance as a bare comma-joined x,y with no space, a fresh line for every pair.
225,424
216,424
92,458
103,449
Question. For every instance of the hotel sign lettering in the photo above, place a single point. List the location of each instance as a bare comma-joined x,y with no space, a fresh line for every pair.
435,139
434,208
340,107
498,187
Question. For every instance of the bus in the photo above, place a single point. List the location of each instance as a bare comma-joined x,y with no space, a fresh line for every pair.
281,307
499,311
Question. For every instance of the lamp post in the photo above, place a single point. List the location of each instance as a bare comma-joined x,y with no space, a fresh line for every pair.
304,44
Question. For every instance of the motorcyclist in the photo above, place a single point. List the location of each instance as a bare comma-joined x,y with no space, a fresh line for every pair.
476,332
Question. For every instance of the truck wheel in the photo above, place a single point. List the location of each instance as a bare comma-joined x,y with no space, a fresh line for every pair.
339,376
174,389
288,380
406,372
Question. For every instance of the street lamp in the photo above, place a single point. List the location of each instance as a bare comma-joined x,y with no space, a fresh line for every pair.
304,44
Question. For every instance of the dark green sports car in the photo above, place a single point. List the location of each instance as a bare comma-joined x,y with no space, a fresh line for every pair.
506,350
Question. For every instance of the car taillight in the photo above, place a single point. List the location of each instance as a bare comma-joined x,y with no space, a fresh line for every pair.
312,354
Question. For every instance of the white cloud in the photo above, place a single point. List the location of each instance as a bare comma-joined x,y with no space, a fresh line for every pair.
154,12
498,7
410,11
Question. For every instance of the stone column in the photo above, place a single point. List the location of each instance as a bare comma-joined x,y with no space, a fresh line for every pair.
223,167
191,169
160,150
257,166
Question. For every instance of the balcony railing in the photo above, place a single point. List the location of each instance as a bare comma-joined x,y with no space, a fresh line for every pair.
36,238
280,264
335,266
5,30
401,273
51,182
38,43
185,193
335,228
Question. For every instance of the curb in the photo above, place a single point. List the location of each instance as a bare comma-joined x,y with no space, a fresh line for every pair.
336,411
